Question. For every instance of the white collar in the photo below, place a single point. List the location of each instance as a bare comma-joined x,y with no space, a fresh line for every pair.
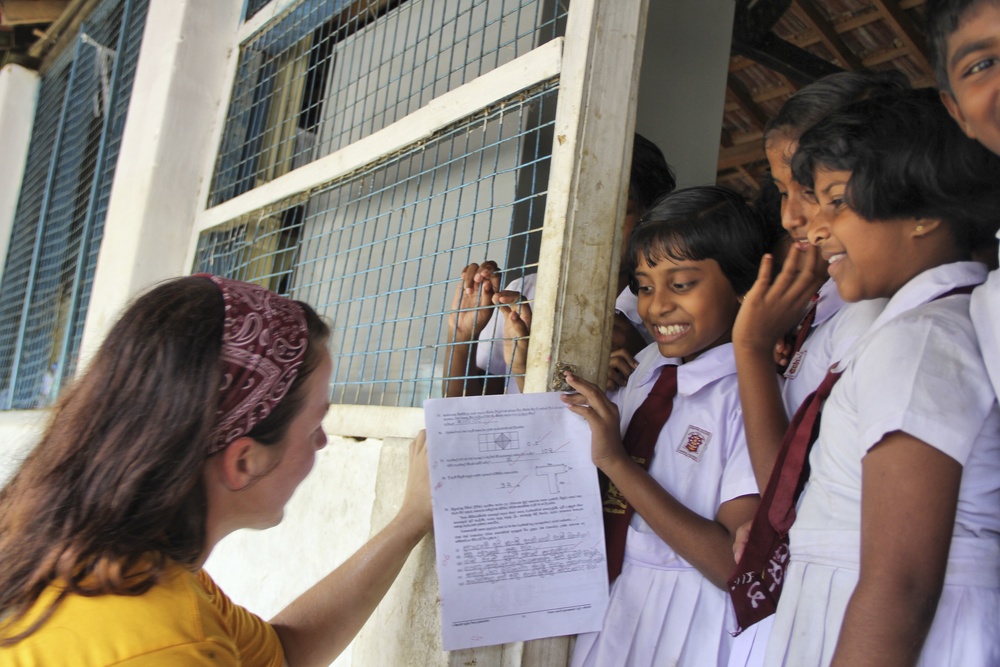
829,303
706,368
929,285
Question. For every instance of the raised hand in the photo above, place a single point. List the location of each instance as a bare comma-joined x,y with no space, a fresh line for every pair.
769,309
471,307
517,328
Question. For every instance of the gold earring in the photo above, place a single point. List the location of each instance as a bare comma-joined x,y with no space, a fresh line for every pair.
920,229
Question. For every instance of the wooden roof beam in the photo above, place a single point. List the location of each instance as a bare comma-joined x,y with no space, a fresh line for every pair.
827,34
906,31
811,36
745,101
800,66
741,154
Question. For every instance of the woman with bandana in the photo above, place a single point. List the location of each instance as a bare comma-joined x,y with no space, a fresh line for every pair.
200,415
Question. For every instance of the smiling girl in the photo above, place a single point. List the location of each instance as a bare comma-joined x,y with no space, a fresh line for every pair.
895,547
691,258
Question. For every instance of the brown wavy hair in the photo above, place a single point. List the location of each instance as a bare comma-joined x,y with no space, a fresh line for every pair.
113,491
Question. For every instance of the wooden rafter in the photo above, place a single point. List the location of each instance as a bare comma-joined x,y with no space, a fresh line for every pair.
741,154
812,36
746,102
906,31
827,34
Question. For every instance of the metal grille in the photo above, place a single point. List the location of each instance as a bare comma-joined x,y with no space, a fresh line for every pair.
329,72
254,6
379,252
60,216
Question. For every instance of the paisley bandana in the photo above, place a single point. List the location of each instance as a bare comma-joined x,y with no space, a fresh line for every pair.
264,341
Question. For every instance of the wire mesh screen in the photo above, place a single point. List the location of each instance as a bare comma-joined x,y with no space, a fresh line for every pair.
380,253
60,215
254,6
329,72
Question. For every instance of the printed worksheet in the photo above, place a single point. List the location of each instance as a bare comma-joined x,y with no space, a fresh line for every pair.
517,519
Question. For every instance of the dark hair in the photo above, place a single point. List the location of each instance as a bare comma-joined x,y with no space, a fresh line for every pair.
907,159
706,222
941,19
811,104
114,487
650,177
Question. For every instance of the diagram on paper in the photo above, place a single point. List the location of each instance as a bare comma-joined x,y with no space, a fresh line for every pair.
552,471
505,440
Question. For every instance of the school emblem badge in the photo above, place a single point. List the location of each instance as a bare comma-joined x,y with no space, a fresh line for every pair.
694,443
795,364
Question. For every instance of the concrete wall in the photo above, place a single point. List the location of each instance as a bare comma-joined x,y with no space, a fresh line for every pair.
682,88
180,84
18,94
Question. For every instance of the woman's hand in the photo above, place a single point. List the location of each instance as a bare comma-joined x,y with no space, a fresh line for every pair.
417,497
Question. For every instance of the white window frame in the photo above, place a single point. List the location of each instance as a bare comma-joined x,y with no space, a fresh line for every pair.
594,123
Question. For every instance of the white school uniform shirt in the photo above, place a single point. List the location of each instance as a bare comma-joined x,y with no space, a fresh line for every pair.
985,311
489,351
917,370
662,610
835,330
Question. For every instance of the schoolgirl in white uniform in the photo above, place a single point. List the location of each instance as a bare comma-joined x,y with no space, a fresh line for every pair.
772,309
479,331
983,307
692,257
901,515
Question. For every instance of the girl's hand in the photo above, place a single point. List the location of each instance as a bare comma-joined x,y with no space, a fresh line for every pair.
771,310
517,329
741,540
621,367
602,416
470,307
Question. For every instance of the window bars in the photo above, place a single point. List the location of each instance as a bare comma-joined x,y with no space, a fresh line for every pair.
379,252
59,220
328,72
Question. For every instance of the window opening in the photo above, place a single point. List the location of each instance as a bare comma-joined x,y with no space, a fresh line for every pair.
378,252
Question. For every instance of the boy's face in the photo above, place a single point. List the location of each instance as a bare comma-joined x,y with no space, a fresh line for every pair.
973,66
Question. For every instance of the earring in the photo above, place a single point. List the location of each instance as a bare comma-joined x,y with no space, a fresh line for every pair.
919,229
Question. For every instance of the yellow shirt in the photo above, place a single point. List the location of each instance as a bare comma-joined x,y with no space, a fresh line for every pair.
185,620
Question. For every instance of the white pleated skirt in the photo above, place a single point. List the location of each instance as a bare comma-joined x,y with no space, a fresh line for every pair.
751,644
965,631
660,617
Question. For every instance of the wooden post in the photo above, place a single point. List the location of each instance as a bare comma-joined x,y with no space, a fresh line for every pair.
591,154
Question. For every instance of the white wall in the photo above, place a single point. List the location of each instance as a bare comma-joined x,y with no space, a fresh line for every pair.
180,83
19,431
18,94
682,89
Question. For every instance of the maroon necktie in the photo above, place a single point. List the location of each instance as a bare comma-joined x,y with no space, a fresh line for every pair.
802,330
797,336
794,469
640,441
756,583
